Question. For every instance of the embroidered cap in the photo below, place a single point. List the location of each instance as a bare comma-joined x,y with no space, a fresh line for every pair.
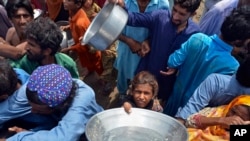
52,83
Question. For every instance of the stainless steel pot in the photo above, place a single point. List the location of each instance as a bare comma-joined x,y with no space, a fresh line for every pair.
140,125
106,27
67,36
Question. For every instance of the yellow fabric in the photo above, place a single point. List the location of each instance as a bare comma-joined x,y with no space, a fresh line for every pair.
216,133
94,9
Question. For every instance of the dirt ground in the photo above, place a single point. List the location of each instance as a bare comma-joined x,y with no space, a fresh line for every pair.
111,100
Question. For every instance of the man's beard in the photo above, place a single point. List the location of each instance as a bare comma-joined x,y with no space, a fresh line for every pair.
37,58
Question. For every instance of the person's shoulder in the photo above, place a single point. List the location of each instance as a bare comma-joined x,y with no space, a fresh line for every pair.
63,57
162,11
64,60
192,27
10,34
199,38
83,87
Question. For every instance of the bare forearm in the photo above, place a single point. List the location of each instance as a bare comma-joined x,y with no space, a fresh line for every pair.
124,39
210,121
9,51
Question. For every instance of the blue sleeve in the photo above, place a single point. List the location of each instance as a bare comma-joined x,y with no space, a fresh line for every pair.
201,97
72,125
15,106
211,22
142,19
22,75
178,57
188,49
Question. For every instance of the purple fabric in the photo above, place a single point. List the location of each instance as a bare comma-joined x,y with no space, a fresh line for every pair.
164,40
52,83
4,22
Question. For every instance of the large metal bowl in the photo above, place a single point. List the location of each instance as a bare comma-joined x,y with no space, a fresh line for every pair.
105,27
140,125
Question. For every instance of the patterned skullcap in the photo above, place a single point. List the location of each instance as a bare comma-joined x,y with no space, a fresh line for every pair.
52,83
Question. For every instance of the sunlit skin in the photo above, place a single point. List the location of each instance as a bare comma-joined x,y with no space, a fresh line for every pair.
142,94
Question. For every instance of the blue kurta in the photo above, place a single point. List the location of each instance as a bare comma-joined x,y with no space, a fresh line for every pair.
164,40
212,20
215,90
126,61
70,127
200,56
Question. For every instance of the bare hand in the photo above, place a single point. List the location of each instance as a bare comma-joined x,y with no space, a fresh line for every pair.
233,120
22,49
134,45
169,71
66,27
65,50
145,48
127,107
118,2
157,106
17,129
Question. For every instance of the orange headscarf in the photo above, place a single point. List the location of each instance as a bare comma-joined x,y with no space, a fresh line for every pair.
240,100
214,133
54,7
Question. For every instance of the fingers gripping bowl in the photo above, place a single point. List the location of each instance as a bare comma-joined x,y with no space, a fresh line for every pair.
106,27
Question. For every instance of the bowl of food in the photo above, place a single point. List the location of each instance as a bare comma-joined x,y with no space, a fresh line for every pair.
140,125
105,27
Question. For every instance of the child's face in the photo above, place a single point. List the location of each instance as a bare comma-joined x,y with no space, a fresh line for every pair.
142,94
70,5
88,3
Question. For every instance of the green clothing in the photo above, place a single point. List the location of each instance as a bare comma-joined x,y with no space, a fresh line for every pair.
61,59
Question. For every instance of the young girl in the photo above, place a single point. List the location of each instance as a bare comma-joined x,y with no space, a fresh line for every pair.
142,93
90,8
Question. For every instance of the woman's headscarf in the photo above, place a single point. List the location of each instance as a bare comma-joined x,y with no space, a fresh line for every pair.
214,133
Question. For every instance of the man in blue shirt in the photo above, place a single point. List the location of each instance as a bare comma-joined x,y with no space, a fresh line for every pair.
212,20
216,90
167,31
51,88
202,55
127,60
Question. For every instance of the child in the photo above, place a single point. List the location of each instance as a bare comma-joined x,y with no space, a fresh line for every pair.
142,93
108,76
90,8
79,23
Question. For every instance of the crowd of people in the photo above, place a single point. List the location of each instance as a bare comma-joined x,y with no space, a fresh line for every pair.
197,73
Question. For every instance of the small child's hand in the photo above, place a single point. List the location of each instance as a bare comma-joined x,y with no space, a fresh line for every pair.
127,107
63,28
17,129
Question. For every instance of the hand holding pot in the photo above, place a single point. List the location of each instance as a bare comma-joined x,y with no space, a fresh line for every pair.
118,2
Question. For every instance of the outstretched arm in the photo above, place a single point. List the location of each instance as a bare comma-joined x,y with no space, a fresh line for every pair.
11,52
